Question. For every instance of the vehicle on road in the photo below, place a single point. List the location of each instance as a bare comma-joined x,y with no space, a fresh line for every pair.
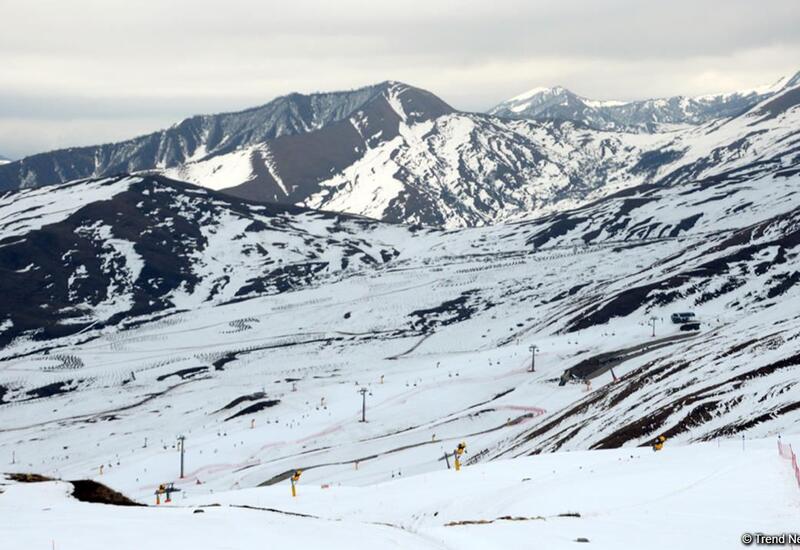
679,318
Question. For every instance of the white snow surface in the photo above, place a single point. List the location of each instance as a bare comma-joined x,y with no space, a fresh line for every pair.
458,155
33,208
217,172
701,496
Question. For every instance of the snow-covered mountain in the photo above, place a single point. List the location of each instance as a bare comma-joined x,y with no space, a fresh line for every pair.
649,115
202,137
466,169
400,154
4,160
102,251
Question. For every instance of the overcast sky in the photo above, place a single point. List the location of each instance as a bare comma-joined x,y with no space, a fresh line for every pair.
76,72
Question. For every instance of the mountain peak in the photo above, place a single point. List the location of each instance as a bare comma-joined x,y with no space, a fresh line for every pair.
792,81
648,115
203,136
761,91
537,101
539,91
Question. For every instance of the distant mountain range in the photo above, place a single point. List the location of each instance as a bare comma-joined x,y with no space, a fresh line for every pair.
400,154
649,115
4,160
195,139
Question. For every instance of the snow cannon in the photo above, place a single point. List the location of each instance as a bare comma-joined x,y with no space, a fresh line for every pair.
460,450
165,489
658,444
295,478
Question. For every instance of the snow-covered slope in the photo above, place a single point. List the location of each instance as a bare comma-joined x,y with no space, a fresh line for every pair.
465,170
101,251
683,497
647,115
250,329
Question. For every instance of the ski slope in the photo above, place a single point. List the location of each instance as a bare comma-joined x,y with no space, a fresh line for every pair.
696,496
438,332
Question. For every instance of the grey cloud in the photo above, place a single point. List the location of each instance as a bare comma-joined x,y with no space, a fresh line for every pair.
112,61
67,107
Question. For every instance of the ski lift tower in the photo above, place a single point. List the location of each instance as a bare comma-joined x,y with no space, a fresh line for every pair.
653,320
182,443
533,349
363,392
